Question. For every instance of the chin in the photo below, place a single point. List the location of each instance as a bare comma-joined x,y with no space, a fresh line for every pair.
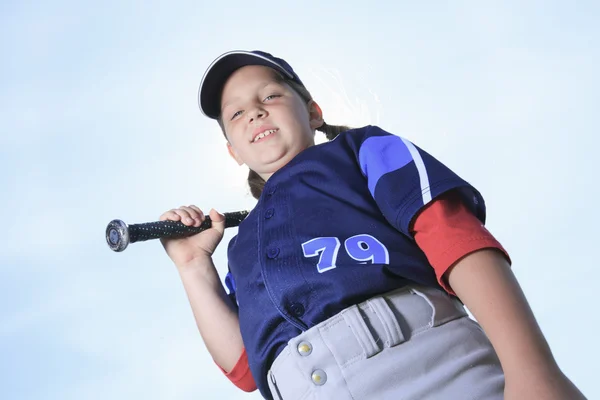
271,166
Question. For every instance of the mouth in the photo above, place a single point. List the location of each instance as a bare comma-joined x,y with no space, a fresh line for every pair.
263,135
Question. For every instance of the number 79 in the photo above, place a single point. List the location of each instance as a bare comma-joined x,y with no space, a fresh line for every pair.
362,248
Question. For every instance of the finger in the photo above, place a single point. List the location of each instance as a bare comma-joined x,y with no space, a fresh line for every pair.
200,218
218,220
195,214
190,210
170,215
184,214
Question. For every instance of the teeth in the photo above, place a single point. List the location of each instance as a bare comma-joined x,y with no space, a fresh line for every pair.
263,134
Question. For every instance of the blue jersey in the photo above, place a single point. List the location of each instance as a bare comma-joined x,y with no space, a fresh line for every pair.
332,229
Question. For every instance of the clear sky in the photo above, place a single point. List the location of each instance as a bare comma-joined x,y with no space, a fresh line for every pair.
98,120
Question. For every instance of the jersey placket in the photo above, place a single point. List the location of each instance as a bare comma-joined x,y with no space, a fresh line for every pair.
274,266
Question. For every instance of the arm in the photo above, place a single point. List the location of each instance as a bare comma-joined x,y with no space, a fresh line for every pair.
471,263
215,315
485,283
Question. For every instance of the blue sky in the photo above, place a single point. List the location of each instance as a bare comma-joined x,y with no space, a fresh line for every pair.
98,120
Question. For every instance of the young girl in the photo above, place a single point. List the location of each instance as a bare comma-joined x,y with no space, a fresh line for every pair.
348,278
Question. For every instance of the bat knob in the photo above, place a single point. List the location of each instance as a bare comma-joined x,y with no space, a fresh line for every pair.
117,235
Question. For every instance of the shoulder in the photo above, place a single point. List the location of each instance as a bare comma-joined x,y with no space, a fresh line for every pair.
365,131
360,134
368,136
369,131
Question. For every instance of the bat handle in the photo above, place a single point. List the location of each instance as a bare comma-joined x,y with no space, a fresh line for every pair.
119,235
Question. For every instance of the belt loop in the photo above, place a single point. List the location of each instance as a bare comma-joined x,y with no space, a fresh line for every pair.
390,324
444,308
273,387
355,321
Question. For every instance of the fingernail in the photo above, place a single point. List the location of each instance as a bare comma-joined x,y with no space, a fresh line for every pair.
189,220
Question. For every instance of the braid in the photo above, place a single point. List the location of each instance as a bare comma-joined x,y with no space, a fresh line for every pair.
256,183
332,131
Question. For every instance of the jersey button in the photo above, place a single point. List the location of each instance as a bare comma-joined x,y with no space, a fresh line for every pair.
297,309
272,190
269,213
273,252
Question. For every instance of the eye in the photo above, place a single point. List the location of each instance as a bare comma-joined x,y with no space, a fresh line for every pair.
236,114
272,97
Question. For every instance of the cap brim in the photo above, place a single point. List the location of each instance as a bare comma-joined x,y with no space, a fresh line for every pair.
220,70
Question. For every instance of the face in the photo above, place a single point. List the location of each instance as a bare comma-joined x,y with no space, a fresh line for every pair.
266,122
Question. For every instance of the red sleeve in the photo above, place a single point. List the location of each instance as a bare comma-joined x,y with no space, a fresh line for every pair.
240,375
447,231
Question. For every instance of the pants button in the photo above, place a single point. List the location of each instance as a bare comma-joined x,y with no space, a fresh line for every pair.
304,348
319,377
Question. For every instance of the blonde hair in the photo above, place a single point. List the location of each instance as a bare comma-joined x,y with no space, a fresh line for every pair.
255,182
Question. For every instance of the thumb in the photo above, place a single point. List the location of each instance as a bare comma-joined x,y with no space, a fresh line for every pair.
218,220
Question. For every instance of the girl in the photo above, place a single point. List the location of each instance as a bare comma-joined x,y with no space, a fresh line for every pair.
348,278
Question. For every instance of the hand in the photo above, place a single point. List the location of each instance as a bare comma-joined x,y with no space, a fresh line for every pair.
551,386
199,246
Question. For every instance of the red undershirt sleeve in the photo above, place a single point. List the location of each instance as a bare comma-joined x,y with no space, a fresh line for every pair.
240,374
446,231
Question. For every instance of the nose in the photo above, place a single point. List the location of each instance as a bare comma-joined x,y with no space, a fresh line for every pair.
256,113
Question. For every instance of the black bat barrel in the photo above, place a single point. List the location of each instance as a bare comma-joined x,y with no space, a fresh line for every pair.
119,234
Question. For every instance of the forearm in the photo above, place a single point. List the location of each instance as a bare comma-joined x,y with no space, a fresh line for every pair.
215,315
485,283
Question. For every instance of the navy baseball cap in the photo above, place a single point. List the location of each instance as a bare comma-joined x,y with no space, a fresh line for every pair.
209,94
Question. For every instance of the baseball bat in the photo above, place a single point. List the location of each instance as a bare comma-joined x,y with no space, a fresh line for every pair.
119,235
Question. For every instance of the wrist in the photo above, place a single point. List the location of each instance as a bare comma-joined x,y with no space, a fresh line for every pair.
532,372
552,384
197,266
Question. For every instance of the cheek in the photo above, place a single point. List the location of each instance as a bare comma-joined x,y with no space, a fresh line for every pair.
236,147
232,134
300,116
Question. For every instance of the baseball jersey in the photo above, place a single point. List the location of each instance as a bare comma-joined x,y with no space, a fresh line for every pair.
332,229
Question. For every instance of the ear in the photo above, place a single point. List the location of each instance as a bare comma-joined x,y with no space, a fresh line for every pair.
234,155
315,115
